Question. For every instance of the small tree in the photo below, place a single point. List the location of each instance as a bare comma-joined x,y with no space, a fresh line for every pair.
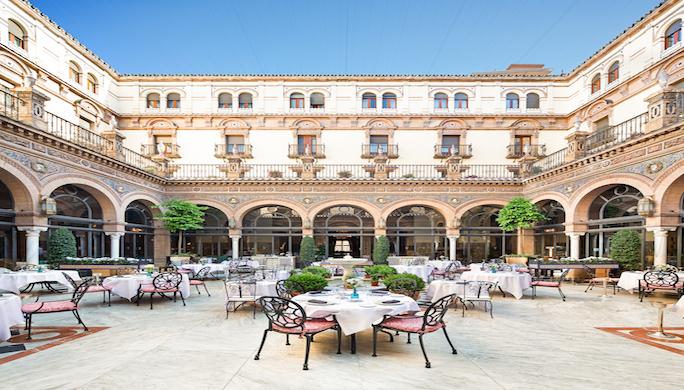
625,248
307,250
520,213
381,250
61,244
179,216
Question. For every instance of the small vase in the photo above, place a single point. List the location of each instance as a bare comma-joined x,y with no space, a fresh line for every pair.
355,294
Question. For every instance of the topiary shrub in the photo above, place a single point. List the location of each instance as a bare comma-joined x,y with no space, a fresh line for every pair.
625,248
377,272
381,250
392,282
307,250
307,281
321,271
61,244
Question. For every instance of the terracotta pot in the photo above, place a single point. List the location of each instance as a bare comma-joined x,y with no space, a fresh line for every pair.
375,283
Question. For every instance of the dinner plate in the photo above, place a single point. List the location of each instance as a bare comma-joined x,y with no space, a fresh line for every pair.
367,305
320,304
391,304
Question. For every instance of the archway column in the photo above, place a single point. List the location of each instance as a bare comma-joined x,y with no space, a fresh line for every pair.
452,246
115,243
32,242
660,243
574,243
235,245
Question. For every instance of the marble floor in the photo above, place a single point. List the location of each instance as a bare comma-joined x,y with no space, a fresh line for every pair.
530,344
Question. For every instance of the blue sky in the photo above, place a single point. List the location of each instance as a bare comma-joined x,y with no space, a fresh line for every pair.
342,37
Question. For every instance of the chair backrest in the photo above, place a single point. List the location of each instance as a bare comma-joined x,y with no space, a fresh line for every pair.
563,275
283,312
480,288
79,291
590,271
282,290
203,273
240,289
435,312
69,279
661,278
167,280
404,286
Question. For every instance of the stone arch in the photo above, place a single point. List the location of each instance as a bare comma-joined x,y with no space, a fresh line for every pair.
555,196
234,123
251,205
221,206
109,201
463,208
453,124
161,124
367,206
673,69
145,198
444,208
15,65
585,195
526,124
668,190
24,188
380,123
306,124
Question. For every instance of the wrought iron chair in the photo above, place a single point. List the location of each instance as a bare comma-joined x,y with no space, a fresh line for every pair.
476,291
447,273
662,281
593,280
199,279
546,282
164,283
288,317
239,293
93,288
30,309
288,288
432,320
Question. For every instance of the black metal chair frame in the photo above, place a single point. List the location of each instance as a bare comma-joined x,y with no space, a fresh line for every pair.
290,315
76,297
592,282
561,279
488,286
202,275
434,315
75,285
163,281
661,281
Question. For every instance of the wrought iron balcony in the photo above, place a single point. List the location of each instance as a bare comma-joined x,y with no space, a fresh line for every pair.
446,150
372,150
519,151
165,149
233,150
297,150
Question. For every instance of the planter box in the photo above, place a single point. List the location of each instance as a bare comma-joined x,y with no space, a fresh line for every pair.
516,260
104,270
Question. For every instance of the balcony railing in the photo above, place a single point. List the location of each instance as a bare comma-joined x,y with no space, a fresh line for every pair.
169,150
9,106
297,150
446,150
341,172
72,132
605,138
553,160
372,150
233,150
520,150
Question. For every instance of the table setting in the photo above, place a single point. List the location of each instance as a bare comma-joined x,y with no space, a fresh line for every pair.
422,271
10,314
15,281
629,280
511,282
126,286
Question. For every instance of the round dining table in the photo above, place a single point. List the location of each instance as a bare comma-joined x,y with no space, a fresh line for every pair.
10,314
15,281
440,288
355,315
513,283
126,286
213,267
629,280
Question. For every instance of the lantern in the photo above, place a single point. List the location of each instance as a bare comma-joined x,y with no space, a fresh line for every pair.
645,207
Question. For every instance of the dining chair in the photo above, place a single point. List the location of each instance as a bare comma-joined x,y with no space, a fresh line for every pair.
548,282
93,288
240,293
289,318
431,321
45,307
593,280
478,291
164,283
199,279
661,281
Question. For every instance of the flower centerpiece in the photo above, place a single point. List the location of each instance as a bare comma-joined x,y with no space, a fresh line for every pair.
149,269
353,283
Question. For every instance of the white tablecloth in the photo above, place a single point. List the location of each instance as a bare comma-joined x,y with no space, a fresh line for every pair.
266,288
213,267
126,286
423,271
629,280
17,280
511,282
439,264
441,288
10,314
355,317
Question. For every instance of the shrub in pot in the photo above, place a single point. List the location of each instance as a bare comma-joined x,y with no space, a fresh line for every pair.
61,244
307,281
320,271
625,248
377,272
381,250
405,282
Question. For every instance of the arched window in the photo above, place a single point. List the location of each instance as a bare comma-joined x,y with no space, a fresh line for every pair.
271,230
549,233
153,100
245,100
461,101
417,231
80,212
441,101
673,34
138,242
344,230
17,35
225,100
74,72
614,72
596,83
512,101
481,237
91,83
368,100
173,100
8,230
389,100
212,240
317,100
532,100
297,100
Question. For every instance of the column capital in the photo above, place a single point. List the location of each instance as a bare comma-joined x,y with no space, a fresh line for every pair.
660,229
32,231
453,236
115,235
235,236
574,234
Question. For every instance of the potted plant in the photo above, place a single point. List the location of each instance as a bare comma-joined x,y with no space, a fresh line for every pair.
307,281
408,176
275,174
381,250
377,272
402,283
61,244
316,270
519,214
625,248
179,216
307,250
344,174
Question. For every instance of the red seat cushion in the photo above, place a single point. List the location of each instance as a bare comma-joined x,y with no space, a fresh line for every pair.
184,271
523,270
98,288
677,286
544,283
194,282
48,307
149,288
313,325
409,324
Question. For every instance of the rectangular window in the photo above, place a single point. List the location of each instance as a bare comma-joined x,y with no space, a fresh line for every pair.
368,103
523,144
389,103
602,124
448,141
306,143
85,123
378,144
296,102
235,144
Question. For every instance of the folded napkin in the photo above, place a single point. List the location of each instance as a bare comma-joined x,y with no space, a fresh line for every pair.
315,292
380,292
391,301
318,301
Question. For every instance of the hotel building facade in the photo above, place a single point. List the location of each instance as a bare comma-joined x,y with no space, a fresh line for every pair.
427,160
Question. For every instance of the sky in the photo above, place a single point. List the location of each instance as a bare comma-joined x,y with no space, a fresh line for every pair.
342,37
